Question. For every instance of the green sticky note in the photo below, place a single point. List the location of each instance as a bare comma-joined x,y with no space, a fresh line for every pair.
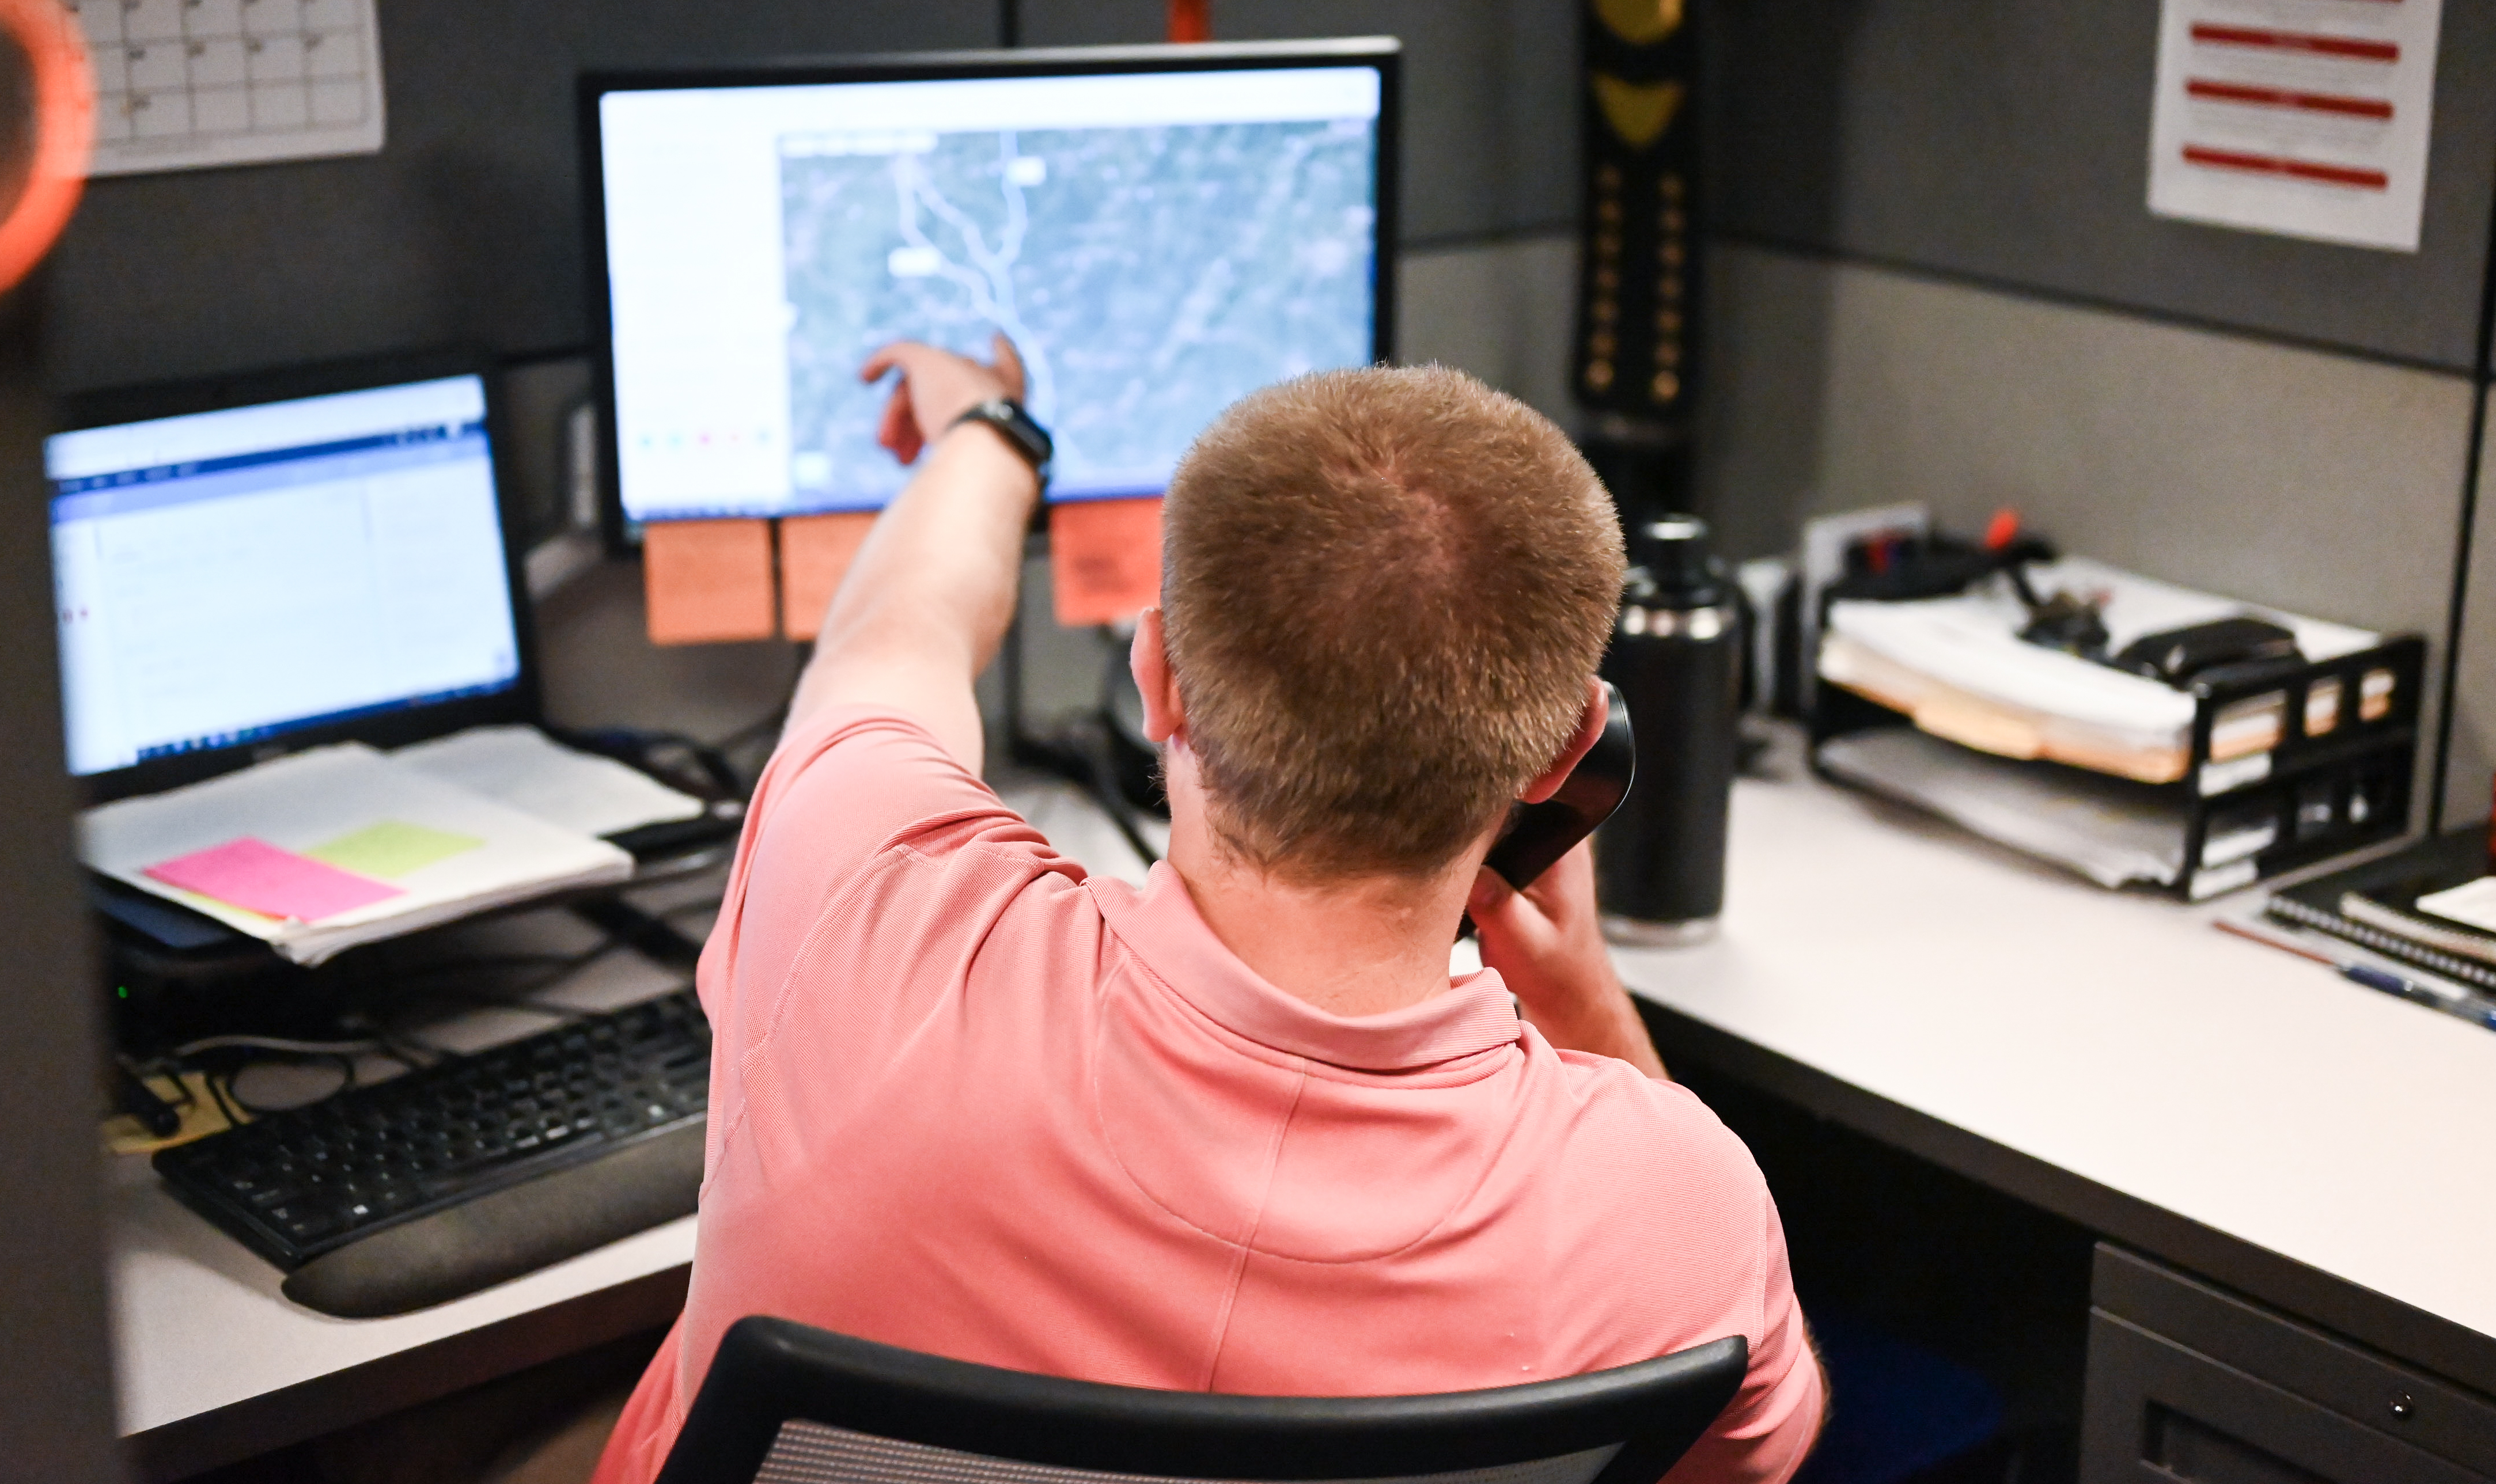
391,849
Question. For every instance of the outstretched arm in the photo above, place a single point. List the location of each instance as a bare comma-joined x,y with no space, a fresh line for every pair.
926,603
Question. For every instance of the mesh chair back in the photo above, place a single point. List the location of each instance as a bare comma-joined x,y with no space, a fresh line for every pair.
811,1453
787,1404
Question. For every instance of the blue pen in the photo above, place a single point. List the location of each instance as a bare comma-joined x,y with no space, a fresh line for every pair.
2476,1012
2452,998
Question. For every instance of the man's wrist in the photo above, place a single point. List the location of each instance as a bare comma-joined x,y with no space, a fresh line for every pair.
1021,432
993,441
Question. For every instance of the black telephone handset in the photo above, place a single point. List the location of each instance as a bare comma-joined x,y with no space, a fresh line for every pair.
1537,835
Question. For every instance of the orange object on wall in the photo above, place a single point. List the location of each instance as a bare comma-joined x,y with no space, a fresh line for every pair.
62,133
814,554
1105,559
1190,20
709,581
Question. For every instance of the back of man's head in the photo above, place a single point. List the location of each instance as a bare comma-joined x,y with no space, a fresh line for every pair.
1383,592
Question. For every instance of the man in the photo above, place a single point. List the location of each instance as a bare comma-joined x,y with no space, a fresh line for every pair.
1237,1130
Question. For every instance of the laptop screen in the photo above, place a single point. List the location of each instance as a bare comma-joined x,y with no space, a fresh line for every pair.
225,578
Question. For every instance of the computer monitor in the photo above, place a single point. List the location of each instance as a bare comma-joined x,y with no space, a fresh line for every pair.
1160,229
253,565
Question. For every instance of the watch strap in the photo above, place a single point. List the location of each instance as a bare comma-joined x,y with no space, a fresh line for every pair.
1028,438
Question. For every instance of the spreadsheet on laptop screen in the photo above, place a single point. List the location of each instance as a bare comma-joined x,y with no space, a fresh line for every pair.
225,578
1157,244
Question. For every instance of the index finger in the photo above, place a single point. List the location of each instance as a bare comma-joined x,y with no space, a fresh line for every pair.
899,352
1009,362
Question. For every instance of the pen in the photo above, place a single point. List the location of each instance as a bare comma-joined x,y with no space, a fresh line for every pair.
2364,969
2451,1002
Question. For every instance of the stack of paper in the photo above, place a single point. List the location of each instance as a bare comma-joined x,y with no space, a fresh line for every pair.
335,847
523,767
1958,666
2107,829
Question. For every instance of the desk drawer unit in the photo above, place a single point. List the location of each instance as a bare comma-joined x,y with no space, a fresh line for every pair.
2188,1383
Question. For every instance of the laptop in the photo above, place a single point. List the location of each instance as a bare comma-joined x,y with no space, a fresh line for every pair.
253,565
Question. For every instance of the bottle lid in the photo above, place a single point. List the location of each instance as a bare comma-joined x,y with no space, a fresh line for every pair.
1672,568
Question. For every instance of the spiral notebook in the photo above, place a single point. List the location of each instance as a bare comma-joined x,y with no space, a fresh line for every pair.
2376,906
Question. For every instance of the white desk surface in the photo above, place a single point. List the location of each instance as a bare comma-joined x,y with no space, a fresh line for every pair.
2119,1037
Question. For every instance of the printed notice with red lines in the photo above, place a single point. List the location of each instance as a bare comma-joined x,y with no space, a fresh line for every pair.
2309,119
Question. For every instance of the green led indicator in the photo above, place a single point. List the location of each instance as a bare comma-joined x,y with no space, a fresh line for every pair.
123,990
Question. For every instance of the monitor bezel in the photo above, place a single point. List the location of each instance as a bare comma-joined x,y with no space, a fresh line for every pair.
519,703
1381,54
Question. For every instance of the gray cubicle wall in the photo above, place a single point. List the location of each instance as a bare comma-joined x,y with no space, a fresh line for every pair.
465,228
2468,778
1936,278
2007,140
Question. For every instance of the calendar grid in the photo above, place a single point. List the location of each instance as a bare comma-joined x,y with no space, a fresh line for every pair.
189,84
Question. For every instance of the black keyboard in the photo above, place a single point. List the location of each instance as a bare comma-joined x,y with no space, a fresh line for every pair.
623,1093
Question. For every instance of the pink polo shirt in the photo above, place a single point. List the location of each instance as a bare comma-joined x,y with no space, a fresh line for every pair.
967,1099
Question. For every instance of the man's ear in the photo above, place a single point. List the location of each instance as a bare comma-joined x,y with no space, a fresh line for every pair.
1590,726
1148,661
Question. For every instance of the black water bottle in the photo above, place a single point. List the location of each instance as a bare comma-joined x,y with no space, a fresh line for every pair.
1676,657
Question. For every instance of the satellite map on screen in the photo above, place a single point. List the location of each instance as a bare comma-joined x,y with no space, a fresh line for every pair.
1149,276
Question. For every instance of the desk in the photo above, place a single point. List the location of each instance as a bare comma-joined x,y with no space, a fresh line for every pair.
2216,1104
2233,1111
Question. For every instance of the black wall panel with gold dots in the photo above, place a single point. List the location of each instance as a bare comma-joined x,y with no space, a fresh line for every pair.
1637,282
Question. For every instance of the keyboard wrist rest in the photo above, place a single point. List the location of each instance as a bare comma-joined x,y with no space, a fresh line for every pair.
512,1231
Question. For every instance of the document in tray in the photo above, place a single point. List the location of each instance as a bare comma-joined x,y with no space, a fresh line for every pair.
2109,829
1958,666
525,768
283,834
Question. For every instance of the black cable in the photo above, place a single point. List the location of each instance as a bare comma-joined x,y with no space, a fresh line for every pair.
1103,785
217,1090
346,1069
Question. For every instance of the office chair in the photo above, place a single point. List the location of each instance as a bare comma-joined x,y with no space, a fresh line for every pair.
789,1403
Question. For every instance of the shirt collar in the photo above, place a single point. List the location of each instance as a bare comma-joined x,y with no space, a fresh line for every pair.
1163,928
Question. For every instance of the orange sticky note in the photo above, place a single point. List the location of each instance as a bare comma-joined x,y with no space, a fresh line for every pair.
707,581
815,553
1105,559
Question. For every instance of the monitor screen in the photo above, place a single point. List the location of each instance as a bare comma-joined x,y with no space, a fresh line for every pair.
223,577
1157,243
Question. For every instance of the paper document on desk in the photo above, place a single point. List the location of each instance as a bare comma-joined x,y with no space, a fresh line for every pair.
2109,829
1959,667
282,831
525,768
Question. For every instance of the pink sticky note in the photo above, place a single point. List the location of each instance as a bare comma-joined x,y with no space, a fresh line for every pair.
259,877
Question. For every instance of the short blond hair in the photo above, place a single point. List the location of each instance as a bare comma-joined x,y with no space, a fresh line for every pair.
1383,592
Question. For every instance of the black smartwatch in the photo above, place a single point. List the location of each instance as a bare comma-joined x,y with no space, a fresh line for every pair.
1029,438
